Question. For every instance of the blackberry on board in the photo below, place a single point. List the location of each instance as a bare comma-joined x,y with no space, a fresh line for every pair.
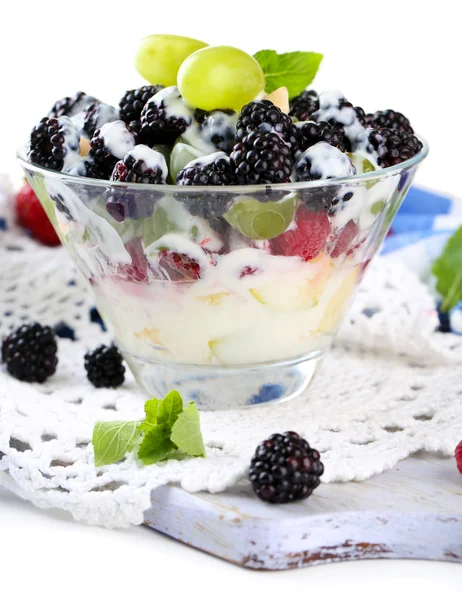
132,103
53,141
262,157
30,353
215,169
285,468
104,367
390,119
264,116
304,105
165,117
392,146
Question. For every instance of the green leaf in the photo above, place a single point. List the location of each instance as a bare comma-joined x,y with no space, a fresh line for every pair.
294,70
169,409
186,432
156,445
151,408
448,271
112,440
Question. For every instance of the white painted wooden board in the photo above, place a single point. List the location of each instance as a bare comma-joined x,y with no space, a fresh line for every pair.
411,511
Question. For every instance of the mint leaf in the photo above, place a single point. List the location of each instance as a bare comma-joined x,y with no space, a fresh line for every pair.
112,440
151,408
156,445
169,409
186,432
448,271
294,70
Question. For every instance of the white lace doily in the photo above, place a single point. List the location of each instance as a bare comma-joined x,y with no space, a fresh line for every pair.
390,387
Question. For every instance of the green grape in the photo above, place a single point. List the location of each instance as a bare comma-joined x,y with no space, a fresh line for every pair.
262,220
181,154
159,57
220,77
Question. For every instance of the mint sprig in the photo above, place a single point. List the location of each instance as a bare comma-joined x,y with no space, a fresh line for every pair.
294,70
167,428
448,271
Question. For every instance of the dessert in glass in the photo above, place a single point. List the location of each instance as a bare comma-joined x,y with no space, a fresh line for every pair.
222,236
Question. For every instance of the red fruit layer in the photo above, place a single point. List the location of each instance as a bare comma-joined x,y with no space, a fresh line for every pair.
458,454
138,269
179,267
344,239
307,239
30,214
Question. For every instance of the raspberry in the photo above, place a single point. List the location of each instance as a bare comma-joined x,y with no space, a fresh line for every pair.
30,353
284,469
344,239
104,367
137,270
458,455
179,267
307,239
262,157
30,214
304,105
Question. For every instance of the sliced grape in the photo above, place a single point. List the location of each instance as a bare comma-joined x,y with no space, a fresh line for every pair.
179,158
220,77
159,57
261,220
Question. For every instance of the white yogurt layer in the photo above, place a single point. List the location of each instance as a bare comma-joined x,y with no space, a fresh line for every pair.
119,141
286,309
152,159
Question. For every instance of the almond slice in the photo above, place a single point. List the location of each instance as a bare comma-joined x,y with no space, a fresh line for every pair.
84,146
280,97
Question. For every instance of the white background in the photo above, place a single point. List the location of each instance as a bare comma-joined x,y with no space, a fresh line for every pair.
402,54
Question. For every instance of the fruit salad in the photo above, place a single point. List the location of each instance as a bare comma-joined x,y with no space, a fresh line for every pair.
222,213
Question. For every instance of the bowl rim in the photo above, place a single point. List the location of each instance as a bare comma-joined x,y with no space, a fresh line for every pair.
359,178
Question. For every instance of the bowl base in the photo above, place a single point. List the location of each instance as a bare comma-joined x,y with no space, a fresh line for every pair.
222,388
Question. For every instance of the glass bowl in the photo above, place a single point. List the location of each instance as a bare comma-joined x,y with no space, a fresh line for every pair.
231,295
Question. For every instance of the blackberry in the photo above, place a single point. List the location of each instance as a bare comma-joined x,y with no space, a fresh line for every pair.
304,105
104,367
312,133
165,117
262,157
140,165
264,116
60,202
133,101
323,161
97,115
389,119
340,113
30,353
284,468
109,144
70,106
215,169
215,129
53,142
391,146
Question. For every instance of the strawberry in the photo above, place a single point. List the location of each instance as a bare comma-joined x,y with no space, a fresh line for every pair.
344,239
30,214
458,454
307,239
